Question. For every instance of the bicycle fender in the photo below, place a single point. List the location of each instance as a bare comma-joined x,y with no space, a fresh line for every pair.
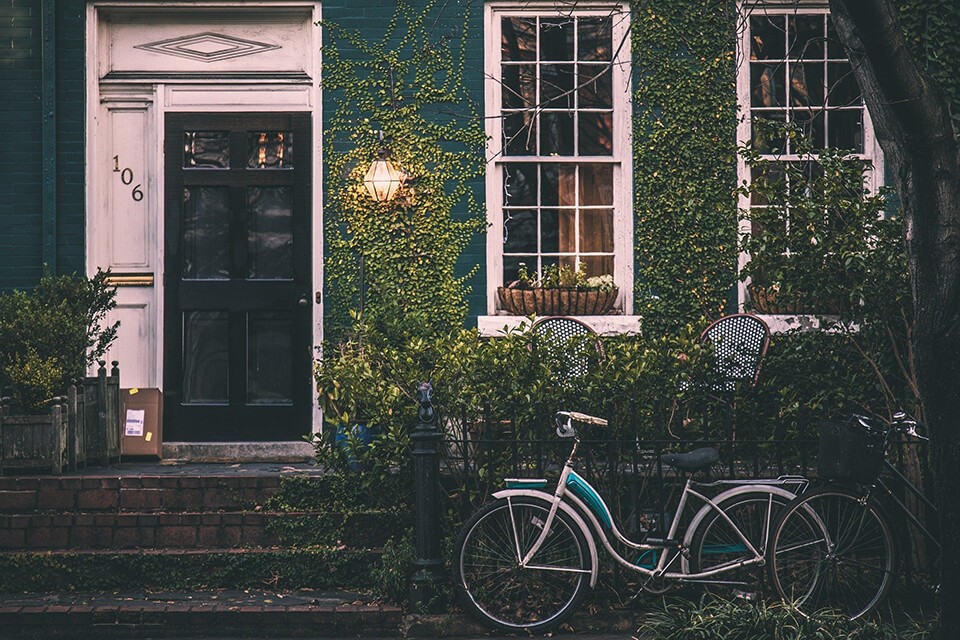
567,509
706,509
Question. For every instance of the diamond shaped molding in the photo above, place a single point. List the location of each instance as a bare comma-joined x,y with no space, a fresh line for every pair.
208,47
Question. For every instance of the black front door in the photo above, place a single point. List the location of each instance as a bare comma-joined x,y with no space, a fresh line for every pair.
237,300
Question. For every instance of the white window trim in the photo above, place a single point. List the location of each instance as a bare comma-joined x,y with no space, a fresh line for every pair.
871,147
622,158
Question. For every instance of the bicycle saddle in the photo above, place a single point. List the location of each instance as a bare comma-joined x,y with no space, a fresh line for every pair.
691,461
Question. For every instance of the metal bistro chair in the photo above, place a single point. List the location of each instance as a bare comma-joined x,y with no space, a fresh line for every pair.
739,344
570,360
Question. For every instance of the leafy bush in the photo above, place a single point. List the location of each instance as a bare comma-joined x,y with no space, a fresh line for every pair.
720,620
49,336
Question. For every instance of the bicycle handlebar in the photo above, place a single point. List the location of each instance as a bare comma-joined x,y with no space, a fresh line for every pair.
582,417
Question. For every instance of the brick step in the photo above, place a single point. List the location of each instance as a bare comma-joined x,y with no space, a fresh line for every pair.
141,493
187,569
193,530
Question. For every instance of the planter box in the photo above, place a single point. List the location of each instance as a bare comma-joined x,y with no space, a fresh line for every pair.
557,302
35,443
769,301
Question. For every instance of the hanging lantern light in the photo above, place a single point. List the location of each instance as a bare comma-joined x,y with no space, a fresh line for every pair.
383,179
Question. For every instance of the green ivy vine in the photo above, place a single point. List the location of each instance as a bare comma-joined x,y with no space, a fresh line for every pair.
409,84
684,152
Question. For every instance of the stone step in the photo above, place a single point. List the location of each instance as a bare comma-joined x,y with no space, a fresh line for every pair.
187,569
140,493
193,530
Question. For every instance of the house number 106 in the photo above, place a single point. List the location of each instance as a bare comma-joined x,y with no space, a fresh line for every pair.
126,177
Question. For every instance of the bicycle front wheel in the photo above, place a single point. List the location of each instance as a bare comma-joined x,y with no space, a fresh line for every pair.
832,548
718,545
501,593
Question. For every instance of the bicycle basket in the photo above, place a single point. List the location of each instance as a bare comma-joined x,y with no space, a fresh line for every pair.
849,451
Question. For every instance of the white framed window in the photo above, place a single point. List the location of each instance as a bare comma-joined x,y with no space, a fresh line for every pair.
559,186
793,70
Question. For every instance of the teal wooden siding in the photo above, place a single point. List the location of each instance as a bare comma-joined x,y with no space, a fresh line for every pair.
33,182
370,17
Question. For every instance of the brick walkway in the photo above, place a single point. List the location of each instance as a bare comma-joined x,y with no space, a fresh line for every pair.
226,613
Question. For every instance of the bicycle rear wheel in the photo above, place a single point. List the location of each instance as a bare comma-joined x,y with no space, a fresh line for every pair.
717,546
831,548
497,590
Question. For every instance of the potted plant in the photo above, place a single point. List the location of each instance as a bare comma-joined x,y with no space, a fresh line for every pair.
558,291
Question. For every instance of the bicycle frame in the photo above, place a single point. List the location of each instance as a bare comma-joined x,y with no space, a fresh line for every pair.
577,498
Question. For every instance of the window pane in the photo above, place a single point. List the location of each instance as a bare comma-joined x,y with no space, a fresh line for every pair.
558,184
835,50
519,134
806,36
519,184
846,130
519,86
596,231
597,265
270,233
567,231
206,233
806,84
269,358
270,150
767,38
519,231
205,357
549,231
766,85
518,39
556,134
596,184
556,86
594,88
556,38
768,131
810,123
844,90
596,134
594,39
511,267
206,149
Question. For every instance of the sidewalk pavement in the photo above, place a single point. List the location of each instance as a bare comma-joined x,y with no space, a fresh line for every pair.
252,614
225,613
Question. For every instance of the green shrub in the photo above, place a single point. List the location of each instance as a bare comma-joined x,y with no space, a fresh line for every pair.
50,335
720,620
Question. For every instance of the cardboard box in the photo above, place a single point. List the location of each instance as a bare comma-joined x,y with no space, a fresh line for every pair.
141,421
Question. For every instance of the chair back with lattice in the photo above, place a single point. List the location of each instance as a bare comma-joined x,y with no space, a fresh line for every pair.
739,344
572,358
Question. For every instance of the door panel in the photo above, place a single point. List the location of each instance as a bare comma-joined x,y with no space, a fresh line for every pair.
237,312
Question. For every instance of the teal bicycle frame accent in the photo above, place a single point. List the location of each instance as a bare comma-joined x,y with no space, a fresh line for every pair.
590,496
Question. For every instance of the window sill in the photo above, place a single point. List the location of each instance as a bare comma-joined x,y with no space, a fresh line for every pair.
612,325
782,323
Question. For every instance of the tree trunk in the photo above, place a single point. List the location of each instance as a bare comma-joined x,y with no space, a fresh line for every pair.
911,117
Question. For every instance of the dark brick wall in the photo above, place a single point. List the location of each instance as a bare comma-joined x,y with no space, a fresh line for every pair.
21,193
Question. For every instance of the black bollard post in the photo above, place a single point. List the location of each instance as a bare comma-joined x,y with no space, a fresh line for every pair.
428,573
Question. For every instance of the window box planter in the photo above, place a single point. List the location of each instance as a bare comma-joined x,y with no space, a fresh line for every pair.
766,300
557,302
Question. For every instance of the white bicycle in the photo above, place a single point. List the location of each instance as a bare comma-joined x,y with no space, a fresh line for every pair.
525,560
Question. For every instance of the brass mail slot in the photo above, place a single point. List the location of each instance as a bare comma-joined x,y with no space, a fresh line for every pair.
130,280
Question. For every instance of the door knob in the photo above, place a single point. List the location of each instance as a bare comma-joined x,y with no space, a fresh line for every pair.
303,301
